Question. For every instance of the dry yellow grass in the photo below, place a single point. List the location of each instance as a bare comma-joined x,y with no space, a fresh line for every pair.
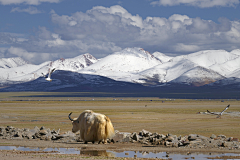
177,117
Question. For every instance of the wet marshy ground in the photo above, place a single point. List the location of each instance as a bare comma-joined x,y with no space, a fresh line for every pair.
130,154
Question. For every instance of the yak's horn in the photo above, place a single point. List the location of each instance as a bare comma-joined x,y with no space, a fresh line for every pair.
69,116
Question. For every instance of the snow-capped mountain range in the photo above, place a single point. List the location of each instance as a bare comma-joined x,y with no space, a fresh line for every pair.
12,62
132,65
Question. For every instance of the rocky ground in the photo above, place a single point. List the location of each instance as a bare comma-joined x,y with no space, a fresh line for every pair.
123,141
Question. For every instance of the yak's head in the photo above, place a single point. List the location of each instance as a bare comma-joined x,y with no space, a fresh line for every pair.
75,123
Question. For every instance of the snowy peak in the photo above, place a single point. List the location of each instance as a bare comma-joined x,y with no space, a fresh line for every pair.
12,62
89,59
162,57
169,71
128,60
208,58
227,68
74,64
236,51
138,52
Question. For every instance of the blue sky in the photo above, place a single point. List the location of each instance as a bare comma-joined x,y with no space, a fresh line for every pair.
43,30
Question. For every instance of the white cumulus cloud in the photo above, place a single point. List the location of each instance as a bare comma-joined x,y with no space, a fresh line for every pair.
104,30
29,2
30,10
115,25
198,3
29,56
186,48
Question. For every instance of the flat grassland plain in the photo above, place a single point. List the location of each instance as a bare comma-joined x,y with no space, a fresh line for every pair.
178,117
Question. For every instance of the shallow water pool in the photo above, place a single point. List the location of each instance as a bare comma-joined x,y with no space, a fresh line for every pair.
132,154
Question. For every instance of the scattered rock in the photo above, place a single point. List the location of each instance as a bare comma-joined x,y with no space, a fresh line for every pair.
121,137
43,132
144,137
227,144
213,136
192,137
134,136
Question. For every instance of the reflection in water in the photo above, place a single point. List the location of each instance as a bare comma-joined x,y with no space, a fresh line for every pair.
97,153
132,154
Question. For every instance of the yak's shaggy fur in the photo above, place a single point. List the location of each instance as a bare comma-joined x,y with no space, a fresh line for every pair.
93,126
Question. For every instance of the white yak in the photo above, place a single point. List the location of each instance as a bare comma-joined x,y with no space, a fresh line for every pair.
93,126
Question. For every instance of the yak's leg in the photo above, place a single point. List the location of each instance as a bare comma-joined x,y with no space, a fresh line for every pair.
104,141
101,132
82,135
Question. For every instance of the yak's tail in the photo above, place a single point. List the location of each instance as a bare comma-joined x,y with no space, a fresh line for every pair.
109,130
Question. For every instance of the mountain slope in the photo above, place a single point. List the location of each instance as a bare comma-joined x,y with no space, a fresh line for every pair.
71,81
168,71
196,69
198,76
226,81
74,64
12,62
208,58
162,57
22,73
128,60
28,72
133,65
228,67
236,51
